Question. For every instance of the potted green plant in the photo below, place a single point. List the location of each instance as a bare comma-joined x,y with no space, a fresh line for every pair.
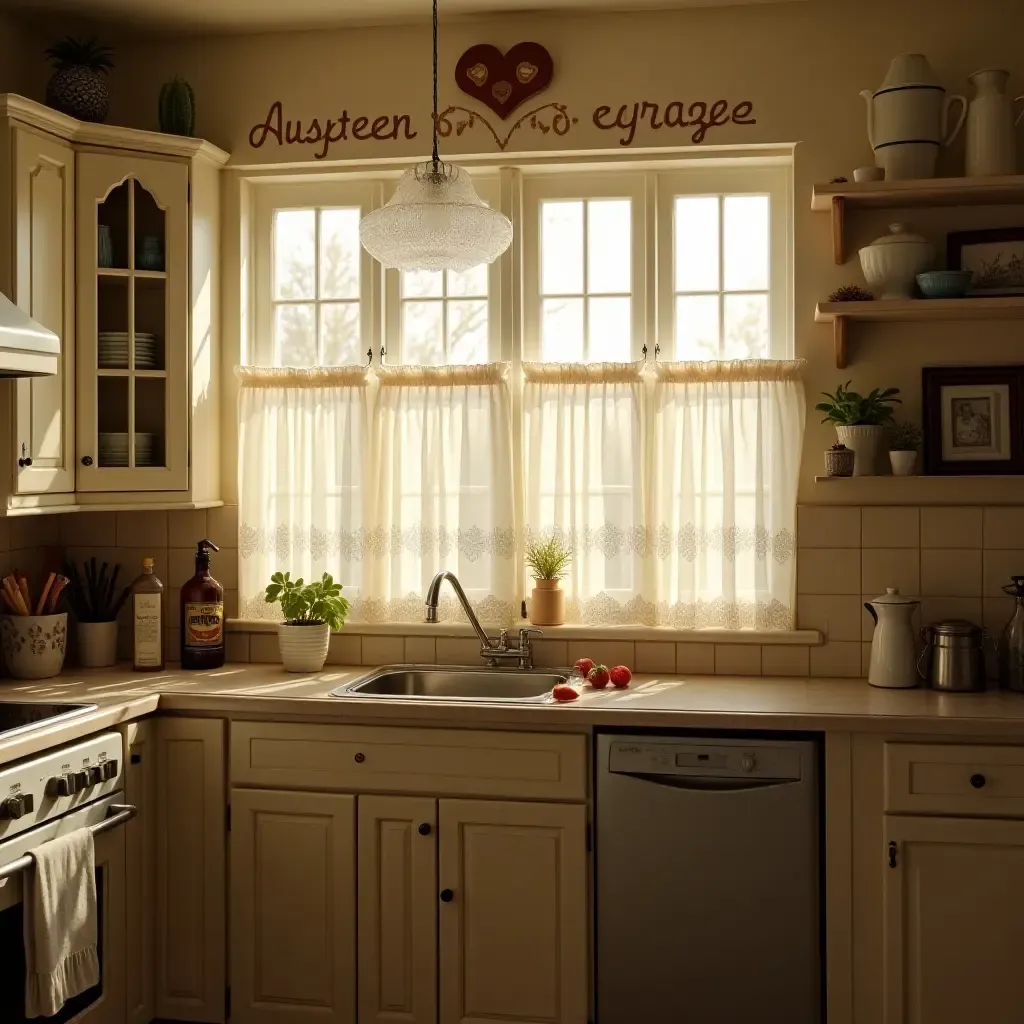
94,598
904,444
860,421
548,561
311,611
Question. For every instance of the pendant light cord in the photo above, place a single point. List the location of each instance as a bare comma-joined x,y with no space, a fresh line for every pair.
434,157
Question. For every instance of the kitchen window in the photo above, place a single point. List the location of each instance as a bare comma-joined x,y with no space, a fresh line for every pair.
618,378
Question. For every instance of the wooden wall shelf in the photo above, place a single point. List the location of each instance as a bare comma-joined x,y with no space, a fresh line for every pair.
996,307
879,195
917,490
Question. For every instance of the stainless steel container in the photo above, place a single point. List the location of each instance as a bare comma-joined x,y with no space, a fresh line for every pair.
953,658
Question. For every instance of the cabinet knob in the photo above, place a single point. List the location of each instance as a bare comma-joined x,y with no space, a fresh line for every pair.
25,462
892,854
978,780
424,829
359,758
447,895
86,460
16,806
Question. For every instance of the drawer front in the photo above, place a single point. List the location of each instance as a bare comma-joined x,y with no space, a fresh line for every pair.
953,779
442,762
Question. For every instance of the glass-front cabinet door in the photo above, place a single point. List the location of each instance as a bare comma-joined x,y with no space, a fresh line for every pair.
133,324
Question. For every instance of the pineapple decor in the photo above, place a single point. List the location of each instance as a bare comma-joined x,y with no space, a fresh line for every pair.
177,108
77,86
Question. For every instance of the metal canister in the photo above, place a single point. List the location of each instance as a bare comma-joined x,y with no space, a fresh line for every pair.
955,655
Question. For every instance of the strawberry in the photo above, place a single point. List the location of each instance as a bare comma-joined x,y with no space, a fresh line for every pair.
583,666
565,692
620,676
598,677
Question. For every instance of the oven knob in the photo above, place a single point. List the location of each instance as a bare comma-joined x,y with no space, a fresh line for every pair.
109,769
15,806
747,763
59,785
95,774
81,779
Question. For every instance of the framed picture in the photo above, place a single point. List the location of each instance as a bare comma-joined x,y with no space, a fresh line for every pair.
995,255
972,419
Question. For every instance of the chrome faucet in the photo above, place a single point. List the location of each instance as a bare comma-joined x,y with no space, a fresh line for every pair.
495,651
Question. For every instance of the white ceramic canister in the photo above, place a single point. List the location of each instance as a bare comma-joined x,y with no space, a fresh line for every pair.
991,141
893,649
909,118
891,263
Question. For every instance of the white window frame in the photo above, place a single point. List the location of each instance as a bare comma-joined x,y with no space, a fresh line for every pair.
773,181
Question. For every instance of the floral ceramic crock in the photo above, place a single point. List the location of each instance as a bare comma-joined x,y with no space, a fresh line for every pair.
33,645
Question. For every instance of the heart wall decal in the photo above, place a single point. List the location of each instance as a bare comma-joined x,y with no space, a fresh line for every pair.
504,80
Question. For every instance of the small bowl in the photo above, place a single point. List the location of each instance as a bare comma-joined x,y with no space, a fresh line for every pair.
944,284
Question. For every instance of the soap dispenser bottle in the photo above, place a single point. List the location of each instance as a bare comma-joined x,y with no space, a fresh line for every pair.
202,615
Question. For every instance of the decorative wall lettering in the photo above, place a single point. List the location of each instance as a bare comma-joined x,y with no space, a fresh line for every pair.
503,81
699,115
558,122
295,133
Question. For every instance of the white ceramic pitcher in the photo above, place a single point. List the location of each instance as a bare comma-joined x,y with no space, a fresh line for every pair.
909,118
893,652
991,141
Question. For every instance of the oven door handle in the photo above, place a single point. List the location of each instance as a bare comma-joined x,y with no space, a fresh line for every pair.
117,814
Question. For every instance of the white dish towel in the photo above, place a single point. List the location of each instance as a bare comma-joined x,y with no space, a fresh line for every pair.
59,905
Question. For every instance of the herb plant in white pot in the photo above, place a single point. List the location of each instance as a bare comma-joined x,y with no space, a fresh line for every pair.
904,442
860,421
548,561
311,611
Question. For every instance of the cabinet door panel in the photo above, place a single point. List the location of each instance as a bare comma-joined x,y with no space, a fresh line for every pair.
44,287
514,934
292,907
954,921
133,385
397,910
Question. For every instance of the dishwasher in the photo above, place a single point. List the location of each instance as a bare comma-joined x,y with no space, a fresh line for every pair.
707,861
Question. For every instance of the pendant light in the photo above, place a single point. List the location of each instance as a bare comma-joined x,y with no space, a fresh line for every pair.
435,220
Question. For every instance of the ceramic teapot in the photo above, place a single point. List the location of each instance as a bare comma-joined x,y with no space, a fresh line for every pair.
909,118
893,652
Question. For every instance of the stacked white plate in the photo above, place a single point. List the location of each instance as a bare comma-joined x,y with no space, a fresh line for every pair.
114,449
113,350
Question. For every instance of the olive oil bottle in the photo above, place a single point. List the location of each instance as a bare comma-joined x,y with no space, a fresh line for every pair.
202,615
147,620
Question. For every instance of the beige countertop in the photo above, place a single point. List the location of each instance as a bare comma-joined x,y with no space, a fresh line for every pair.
704,702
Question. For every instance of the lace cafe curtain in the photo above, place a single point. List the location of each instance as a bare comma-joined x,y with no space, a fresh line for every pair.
379,478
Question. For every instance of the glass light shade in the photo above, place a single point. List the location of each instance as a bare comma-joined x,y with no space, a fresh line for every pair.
435,221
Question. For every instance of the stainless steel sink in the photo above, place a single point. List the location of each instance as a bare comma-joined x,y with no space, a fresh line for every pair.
443,682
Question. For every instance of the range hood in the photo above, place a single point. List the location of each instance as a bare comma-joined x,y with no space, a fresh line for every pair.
27,349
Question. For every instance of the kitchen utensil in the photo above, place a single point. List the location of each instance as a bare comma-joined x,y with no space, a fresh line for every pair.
893,654
1011,648
991,146
953,658
893,261
944,284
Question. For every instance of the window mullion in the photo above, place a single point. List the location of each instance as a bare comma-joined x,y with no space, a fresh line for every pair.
586,280
721,277
316,287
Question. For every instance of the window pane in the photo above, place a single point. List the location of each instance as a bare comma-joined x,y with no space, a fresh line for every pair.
340,339
696,243
422,283
467,331
697,327
609,245
611,332
468,282
422,333
746,242
561,248
339,253
294,234
295,335
746,327
562,330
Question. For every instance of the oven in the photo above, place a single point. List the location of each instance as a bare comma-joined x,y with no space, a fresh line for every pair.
53,795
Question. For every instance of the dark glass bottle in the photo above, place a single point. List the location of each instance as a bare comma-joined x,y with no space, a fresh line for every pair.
202,615
1011,649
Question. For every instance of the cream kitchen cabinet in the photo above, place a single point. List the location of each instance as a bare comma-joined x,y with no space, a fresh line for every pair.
116,248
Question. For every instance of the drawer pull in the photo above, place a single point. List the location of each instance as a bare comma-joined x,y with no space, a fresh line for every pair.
978,780
447,895
892,854
359,758
424,829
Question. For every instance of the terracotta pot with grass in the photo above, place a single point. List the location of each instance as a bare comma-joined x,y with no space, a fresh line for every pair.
547,561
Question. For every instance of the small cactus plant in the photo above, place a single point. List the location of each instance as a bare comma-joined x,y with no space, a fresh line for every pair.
177,107
851,293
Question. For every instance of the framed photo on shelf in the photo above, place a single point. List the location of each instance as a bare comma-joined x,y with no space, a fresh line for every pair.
972,420
996,255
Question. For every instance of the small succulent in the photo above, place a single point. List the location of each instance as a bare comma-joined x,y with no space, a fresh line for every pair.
904,437
847,408
851,293
838,180
839,447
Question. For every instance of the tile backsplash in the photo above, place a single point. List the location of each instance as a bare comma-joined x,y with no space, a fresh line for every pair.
955,559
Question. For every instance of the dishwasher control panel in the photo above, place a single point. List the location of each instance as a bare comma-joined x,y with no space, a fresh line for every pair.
717,759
